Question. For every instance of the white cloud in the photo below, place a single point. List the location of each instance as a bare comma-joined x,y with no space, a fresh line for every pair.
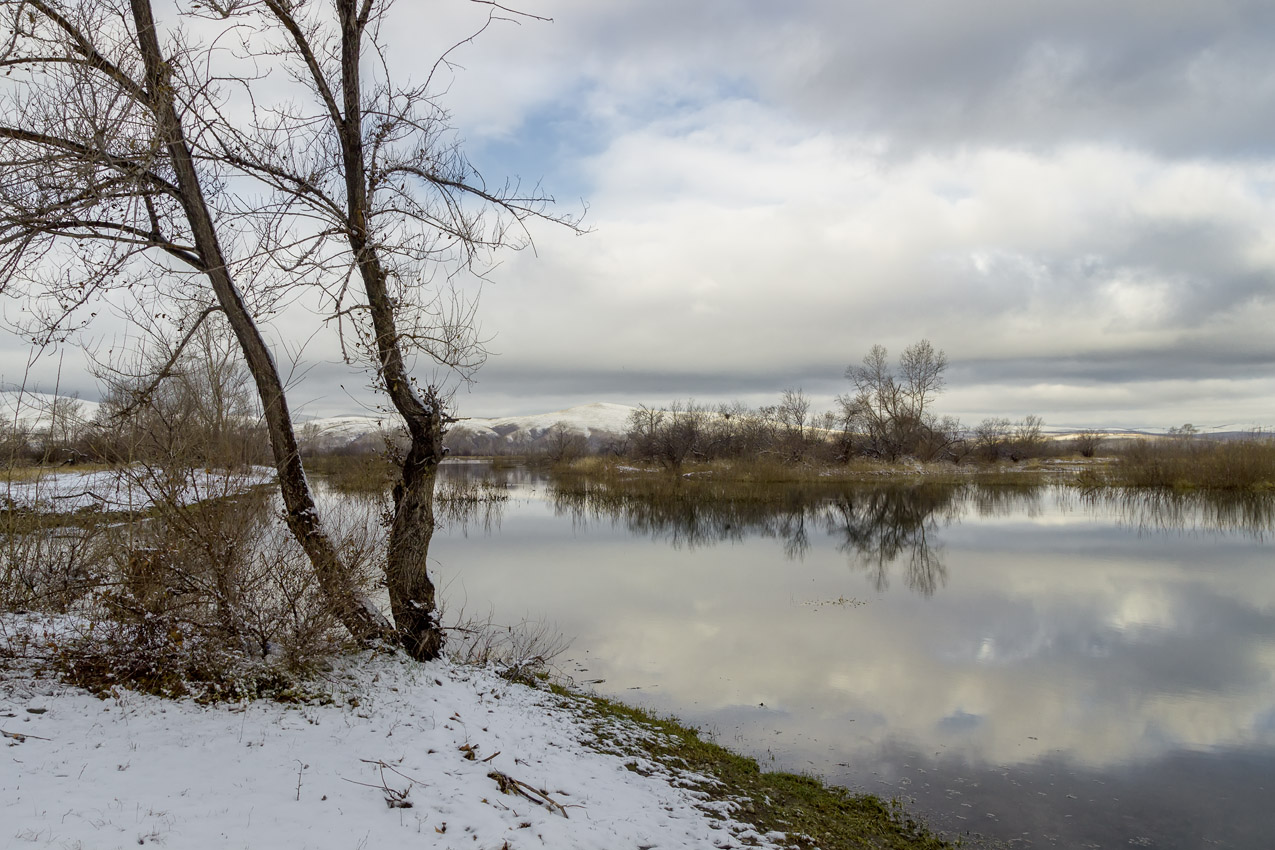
776,187
736,240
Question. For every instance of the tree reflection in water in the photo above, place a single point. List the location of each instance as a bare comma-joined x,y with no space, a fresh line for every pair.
878,527
882,528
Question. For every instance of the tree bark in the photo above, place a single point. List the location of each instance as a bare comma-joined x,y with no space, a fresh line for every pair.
412,594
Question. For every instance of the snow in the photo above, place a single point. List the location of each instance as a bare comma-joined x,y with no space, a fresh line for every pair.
584,419
599,421
30,409
345,428
404,756
128,489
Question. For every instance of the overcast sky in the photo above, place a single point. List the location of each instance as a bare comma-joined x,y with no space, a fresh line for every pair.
1075,200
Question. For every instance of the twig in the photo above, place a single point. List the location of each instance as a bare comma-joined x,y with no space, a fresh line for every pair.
394,798
509,785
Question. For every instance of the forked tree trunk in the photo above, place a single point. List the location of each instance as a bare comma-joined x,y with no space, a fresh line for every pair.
412,595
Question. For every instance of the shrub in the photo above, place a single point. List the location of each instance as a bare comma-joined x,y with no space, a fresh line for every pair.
1183,460
205,593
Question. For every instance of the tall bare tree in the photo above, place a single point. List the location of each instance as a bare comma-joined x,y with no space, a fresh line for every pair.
124,151
891,407
793,410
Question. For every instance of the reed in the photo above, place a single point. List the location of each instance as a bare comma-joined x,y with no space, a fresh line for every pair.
738,476
354,473
1246,464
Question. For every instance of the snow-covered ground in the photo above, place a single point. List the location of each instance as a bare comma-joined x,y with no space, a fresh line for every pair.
406,755
127,489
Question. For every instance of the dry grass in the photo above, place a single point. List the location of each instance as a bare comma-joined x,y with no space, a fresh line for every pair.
520,652
214,599
356,473
1196,463
737,476
24,473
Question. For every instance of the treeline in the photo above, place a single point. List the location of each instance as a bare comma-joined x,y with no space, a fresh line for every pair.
687,432
196,407
888,415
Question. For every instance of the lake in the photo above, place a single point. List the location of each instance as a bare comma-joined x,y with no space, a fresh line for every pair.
1033,667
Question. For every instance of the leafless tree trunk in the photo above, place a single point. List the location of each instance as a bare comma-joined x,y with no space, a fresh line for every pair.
111,165
360,196
384,143
357,614
794,408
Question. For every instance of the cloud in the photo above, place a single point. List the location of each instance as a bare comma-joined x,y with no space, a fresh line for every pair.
732,242
1005,73
1070,199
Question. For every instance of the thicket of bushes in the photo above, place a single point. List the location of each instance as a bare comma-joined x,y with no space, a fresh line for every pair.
687,432
201,592
1186,460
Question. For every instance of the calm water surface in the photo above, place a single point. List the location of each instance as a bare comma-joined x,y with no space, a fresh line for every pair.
1035,668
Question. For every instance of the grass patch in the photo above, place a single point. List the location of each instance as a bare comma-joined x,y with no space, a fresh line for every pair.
372,472
600,478
22,474
471,491
808,813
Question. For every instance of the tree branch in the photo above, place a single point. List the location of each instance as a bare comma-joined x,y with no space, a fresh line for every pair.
142,396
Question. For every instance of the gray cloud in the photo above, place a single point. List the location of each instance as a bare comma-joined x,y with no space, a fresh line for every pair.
1178,78
1182,78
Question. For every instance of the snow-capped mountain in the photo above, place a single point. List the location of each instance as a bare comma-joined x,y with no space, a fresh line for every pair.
35,410
598,423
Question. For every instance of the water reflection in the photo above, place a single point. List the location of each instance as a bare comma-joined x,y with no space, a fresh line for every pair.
887,527
1058,664
881,527
877,527
1250,514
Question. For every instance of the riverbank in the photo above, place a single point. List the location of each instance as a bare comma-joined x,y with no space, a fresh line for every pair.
1241,465
379,751
733,479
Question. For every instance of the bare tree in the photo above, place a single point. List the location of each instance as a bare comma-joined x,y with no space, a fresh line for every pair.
100,173
991,437
1028,437
793,410
563,444
891,407
203,410
126,162
1088,441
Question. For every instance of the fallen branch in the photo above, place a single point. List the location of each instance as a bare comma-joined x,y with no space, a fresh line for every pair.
509,785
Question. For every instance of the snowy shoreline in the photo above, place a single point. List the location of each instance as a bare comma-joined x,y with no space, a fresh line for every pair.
404,752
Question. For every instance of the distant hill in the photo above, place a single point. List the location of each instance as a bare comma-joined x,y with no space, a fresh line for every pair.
33,410
599,424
